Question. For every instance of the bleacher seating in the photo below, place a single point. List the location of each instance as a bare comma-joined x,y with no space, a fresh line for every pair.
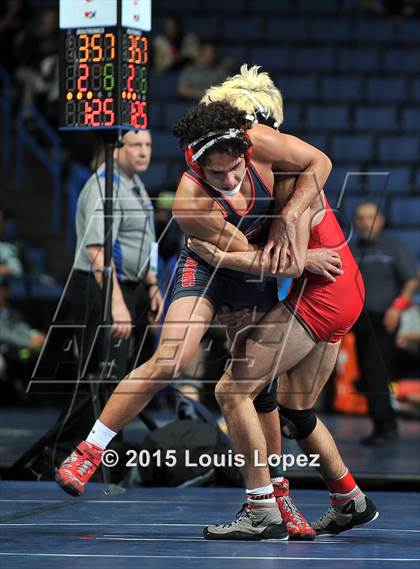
408,31
390,89
411,119
399,149
286,29
331,30
239,28
292,118
352,147
350,86
373,31
399,60
315,58
358,59
341,88
327,117
405,211
411,237
296,87
388,179
376,118
343,178
206,27
270,57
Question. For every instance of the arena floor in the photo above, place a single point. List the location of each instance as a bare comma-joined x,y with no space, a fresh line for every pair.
44,528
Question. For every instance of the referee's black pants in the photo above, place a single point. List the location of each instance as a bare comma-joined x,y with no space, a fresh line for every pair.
376,357
83,310
85,302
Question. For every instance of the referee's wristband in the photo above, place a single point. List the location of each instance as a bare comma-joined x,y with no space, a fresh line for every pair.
401,303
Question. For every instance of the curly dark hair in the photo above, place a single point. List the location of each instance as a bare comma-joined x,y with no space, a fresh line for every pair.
220,116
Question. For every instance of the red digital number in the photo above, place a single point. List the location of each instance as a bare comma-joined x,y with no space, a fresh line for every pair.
108,112
83,77
131,77
138,111
96,113
86,114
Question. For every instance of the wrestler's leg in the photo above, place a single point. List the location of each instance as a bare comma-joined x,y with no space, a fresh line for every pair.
275,345
186,322
299,392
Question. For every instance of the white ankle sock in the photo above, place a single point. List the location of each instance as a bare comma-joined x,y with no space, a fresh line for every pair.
100,435
263,495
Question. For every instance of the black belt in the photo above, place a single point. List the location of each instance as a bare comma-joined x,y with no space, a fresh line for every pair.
131,284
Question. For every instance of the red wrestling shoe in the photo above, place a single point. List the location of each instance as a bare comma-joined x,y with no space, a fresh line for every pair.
297,526
77,469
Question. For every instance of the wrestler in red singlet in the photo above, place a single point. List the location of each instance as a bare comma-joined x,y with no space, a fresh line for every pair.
328,309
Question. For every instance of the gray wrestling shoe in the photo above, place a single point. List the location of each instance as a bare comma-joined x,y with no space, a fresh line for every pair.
251,523
356,512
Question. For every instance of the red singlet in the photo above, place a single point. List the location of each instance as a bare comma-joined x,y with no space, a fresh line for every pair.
328,309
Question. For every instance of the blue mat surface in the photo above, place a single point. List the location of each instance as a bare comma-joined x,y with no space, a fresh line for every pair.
44,528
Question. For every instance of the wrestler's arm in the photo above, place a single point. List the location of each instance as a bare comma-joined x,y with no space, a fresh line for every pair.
199,216
251,260
286,153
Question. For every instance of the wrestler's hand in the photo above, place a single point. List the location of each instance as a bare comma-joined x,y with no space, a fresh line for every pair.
207,251
280,242
325,262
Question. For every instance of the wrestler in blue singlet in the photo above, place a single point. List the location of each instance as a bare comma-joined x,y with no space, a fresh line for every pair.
195,277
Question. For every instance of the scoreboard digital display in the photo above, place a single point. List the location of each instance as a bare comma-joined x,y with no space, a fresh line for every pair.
103,74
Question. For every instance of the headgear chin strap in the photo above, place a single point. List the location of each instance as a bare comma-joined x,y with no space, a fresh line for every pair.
230,193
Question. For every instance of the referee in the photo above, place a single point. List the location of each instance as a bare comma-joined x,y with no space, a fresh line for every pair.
135,293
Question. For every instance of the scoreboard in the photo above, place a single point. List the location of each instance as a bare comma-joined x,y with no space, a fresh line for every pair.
104,56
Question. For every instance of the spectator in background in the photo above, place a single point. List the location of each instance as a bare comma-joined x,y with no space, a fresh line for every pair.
206,71
14,261
36,49
389,273
10,259
14,17
174,48
19,342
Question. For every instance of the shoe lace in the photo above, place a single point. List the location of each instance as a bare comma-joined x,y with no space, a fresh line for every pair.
84,467
328,516
244,512
290,506
82,463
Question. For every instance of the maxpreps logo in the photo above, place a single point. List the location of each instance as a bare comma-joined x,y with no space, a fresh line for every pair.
90,14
